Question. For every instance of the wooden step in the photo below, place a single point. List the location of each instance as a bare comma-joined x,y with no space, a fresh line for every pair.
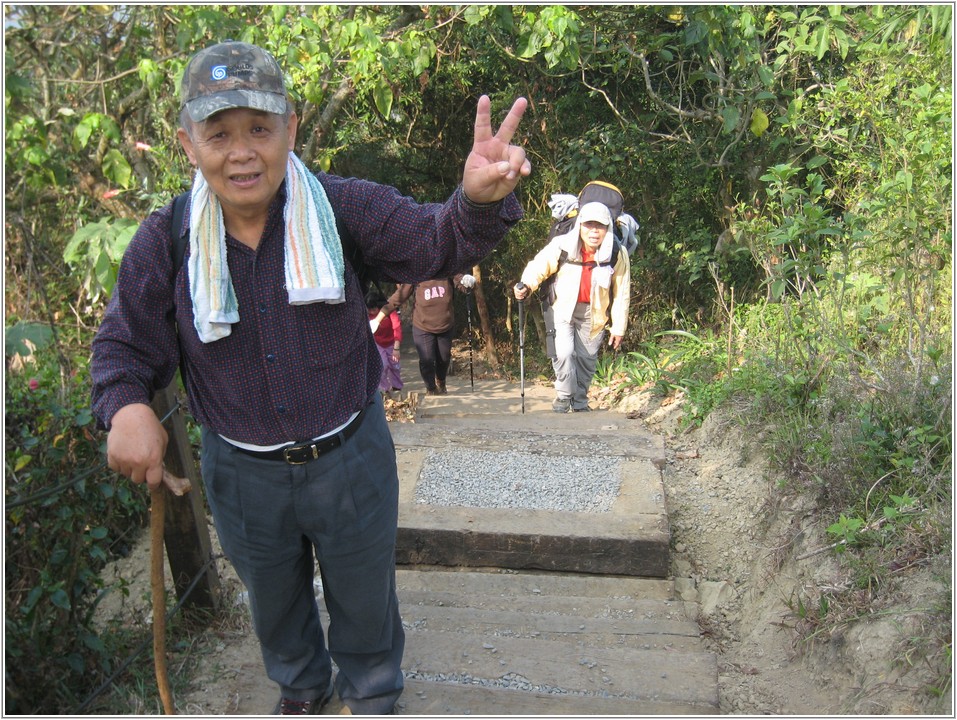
625,611
647,634
550,644
532,539
686,679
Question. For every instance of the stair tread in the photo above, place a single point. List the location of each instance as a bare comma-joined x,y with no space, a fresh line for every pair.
512,583
660,675
429,698
645,634
627,608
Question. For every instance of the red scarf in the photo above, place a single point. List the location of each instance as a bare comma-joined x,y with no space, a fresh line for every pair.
584,288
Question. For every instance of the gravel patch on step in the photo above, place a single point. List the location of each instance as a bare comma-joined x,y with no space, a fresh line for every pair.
480,478
508,681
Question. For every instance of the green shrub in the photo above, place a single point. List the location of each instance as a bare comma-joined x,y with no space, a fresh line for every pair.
861,423
65,518
676,361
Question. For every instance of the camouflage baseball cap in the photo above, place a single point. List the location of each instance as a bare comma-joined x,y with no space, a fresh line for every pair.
232,75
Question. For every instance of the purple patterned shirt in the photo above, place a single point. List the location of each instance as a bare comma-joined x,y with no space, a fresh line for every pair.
286,372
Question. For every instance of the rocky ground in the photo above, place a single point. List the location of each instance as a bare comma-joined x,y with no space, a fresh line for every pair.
746,552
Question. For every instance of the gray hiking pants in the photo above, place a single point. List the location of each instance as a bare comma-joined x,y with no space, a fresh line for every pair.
274,520
576,356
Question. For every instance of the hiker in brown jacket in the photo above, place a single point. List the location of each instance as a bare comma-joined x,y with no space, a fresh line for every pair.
433,324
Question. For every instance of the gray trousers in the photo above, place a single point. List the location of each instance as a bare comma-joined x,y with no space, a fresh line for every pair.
274,520
576,356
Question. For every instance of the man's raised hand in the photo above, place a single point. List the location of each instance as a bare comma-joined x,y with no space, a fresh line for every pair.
494,166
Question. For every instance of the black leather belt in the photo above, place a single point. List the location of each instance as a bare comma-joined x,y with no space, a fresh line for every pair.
307,452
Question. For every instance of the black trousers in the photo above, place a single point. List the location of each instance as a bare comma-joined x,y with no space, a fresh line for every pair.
435,355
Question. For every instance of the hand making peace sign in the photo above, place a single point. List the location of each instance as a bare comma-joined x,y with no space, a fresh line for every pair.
494,166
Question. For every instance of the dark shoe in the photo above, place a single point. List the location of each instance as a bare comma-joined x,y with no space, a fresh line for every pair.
440,387
582,409
285,706
561,406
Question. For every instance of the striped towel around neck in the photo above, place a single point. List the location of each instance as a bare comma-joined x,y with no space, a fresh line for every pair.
313,252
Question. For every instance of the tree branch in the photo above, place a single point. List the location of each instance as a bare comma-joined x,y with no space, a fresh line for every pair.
326,120
693,115
601,92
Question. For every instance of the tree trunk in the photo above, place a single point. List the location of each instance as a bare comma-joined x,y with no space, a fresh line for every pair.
188,543
491,357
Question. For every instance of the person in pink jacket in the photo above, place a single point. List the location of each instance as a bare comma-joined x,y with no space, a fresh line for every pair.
388,338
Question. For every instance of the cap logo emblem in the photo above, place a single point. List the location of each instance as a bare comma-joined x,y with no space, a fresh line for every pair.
219,72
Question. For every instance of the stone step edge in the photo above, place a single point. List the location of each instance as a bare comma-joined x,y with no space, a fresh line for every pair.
571,605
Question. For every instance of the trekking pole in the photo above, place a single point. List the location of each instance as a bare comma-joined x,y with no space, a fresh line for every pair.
521,342
468,308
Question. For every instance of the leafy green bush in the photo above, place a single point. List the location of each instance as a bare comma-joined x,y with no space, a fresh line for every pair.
65,519
855,417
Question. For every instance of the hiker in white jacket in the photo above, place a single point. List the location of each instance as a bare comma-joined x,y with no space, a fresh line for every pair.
592,287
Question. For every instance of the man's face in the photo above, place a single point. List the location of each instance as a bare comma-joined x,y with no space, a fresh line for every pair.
243,155
592,234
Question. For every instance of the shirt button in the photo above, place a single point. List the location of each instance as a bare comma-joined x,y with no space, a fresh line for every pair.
280,409
271,358
262,308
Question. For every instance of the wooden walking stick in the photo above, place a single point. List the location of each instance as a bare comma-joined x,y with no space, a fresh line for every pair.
177,486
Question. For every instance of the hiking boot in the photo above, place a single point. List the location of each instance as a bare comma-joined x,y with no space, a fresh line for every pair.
560,405
581,409
298,707
285,706
440,387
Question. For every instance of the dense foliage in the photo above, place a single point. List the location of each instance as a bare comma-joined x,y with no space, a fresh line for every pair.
790,167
